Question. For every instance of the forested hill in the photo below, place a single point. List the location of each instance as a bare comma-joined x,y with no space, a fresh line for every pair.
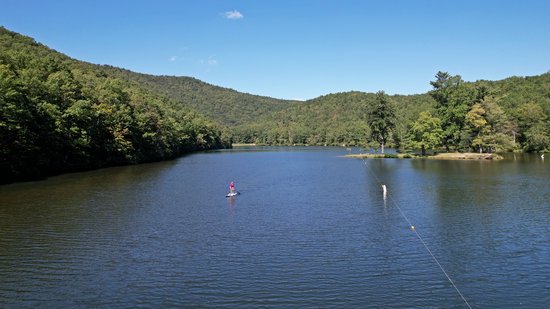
58,115
510,114
334,119
515,91
223,105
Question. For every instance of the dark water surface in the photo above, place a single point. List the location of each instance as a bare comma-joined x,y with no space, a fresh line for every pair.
310,229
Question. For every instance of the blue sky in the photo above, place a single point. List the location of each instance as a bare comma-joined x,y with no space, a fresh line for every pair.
297,49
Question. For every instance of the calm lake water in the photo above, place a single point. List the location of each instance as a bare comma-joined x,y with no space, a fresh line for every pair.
310,229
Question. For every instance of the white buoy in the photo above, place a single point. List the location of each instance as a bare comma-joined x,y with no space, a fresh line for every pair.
542,156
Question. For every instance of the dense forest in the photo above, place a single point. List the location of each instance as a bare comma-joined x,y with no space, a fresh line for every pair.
59,114
486,116
225,106
334,119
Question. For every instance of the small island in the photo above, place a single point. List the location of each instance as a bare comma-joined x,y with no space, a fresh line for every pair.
439,156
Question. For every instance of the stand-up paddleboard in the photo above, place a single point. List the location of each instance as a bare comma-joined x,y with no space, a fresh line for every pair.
233,194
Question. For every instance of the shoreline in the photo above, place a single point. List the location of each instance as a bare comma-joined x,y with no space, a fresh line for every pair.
465,156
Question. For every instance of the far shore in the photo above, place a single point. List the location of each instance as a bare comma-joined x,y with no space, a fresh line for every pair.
439,156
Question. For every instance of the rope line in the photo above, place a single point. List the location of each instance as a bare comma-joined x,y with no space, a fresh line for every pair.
418,235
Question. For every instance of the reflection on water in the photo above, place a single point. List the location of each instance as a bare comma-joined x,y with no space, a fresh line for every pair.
384,194
231,201
310,229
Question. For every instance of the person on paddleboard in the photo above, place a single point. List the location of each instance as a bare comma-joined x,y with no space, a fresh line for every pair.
232,187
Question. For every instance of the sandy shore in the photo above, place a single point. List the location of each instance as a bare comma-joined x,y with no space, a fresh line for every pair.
439,156
467,156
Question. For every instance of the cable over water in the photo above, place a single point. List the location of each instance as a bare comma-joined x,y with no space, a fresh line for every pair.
416,232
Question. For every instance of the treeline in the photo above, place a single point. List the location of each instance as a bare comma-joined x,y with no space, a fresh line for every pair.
59,115
328,120
507,115
331,120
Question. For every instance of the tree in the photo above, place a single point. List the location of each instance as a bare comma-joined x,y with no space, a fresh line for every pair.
453,101
426,132
530,119
381,119
501,135
477,125
536,138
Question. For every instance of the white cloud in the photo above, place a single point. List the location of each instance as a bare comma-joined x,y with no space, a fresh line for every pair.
210,61
173,58
233,15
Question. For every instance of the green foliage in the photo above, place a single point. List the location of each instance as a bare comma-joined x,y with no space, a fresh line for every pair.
454,98
225,106
339,119
532,126
488,128
381,119
426,133
493,116
408,109
335,119
536,138
59,115
477,126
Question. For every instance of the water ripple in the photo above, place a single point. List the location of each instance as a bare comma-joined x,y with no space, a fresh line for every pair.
165,236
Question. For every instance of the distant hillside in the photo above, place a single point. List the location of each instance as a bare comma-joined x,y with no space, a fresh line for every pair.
337,119
334,119
514,91
59,115
223,105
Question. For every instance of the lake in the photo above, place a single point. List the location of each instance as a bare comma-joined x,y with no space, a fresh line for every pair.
309,229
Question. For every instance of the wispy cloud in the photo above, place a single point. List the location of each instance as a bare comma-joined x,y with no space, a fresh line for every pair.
173,58
210,61
234,15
